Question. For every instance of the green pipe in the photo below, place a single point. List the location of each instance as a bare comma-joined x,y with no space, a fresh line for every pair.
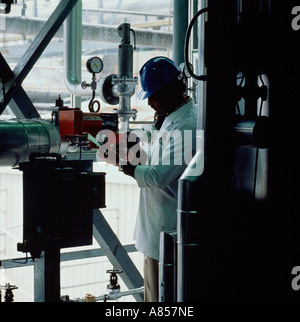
72,52
180,24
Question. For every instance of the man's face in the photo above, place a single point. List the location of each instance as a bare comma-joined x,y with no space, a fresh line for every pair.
161,102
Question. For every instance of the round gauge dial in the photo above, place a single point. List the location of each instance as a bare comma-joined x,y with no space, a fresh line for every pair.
94,65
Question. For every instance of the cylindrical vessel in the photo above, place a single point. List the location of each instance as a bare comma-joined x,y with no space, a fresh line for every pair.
167,267
253,133
21,137
189,228
125,65
188,250
125,55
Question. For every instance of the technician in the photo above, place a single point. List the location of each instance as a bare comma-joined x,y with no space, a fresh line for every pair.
170,153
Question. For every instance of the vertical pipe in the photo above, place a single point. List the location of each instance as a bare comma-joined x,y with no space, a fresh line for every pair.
189,220
203,197
180,24
35,12
194,9
73,49
201,86
100,16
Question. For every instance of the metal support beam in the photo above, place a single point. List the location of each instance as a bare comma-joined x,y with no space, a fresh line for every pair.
46,268
47,277
21,104
116,253
64,257
34,51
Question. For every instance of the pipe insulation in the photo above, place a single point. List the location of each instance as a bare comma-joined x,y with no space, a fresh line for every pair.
21,137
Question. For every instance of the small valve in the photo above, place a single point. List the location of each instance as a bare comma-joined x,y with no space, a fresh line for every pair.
9,296
113,280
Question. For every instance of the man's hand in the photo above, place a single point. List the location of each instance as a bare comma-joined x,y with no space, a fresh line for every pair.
122,149
129,169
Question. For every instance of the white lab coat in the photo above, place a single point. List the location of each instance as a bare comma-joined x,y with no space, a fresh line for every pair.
159,179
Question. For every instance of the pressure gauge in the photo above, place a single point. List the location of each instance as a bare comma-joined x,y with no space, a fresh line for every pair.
94,65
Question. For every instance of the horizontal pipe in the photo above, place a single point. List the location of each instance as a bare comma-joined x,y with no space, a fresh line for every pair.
92,32
112,296
141,122
127,12
21,137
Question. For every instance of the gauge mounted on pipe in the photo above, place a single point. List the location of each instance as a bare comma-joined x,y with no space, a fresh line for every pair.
94,65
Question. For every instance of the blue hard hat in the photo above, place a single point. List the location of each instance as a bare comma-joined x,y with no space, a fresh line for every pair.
156,73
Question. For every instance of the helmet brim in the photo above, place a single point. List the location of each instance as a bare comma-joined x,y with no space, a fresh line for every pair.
142,95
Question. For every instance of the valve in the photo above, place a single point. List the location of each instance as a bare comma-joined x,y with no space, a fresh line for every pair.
118,89
113,287
6,5
9,296
113,280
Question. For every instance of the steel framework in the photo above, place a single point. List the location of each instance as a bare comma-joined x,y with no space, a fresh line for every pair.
46,268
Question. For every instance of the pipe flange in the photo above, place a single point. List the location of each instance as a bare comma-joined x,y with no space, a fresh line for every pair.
106,90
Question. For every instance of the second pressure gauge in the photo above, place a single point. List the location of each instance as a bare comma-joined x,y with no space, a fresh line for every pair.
94,65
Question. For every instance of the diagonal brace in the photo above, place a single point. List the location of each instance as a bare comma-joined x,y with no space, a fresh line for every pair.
116,253
35,50
20,104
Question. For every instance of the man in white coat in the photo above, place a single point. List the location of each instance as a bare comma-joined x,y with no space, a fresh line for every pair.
170,153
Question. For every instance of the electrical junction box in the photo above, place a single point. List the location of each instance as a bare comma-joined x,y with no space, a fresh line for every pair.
58,201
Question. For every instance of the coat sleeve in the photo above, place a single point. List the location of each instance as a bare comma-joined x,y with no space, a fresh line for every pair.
176,149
